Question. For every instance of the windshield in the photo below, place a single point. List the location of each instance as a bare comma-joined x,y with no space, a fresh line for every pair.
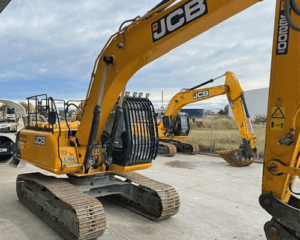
184,123
10,110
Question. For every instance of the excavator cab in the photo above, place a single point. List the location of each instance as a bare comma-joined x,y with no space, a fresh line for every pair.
181,125
177,128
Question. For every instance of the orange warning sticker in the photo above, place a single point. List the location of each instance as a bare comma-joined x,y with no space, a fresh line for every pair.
278,118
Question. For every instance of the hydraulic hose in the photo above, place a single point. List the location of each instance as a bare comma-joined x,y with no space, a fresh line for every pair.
128,21
287,13
96,117
207,82
159,5
247,113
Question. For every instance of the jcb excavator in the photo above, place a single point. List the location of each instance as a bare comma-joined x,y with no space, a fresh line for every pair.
175,126
103,166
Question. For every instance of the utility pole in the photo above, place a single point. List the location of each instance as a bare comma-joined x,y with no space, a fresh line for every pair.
162,99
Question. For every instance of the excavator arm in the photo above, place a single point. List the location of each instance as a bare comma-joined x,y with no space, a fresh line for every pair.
235,96
237,102
280,194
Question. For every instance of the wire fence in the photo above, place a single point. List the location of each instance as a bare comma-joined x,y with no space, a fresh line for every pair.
222,133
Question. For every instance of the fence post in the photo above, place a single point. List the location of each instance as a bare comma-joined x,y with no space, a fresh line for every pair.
211,141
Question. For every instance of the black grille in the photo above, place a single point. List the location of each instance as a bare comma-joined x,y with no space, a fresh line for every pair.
139,133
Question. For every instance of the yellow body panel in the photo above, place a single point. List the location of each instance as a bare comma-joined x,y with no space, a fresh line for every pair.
119,169
40,148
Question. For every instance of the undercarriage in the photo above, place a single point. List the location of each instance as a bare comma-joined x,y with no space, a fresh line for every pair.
72,208
170,147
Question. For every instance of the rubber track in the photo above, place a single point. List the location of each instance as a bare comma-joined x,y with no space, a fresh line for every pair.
194,146
90,216
169,197
172,150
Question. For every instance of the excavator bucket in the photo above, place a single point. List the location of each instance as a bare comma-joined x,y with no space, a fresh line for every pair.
235,158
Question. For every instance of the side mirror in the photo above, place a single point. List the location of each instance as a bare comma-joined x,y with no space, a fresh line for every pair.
52,117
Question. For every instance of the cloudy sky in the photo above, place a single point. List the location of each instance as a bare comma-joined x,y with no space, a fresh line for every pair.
50,47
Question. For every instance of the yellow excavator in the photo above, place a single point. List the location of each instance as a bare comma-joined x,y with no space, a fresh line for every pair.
103,166
175,126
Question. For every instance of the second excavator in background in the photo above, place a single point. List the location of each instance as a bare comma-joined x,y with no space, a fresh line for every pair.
175,126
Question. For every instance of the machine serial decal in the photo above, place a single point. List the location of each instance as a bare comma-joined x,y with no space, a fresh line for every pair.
201,94
40,141
178,18
283,33
68,159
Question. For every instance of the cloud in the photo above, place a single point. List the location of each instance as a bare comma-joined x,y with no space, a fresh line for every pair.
50,47
43,70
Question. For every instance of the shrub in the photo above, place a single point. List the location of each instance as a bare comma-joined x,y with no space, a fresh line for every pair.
260,118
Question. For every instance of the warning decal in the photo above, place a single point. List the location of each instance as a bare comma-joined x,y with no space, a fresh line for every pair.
278,118
278,113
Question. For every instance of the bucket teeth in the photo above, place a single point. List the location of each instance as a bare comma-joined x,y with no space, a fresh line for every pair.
234,158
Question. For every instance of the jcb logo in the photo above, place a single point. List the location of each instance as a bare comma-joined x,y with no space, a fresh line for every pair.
40,141
201,94
178,18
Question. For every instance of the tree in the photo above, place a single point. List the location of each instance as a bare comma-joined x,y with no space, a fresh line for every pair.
25,105
3,107
224,112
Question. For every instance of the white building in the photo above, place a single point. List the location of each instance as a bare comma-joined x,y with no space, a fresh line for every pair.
257,102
